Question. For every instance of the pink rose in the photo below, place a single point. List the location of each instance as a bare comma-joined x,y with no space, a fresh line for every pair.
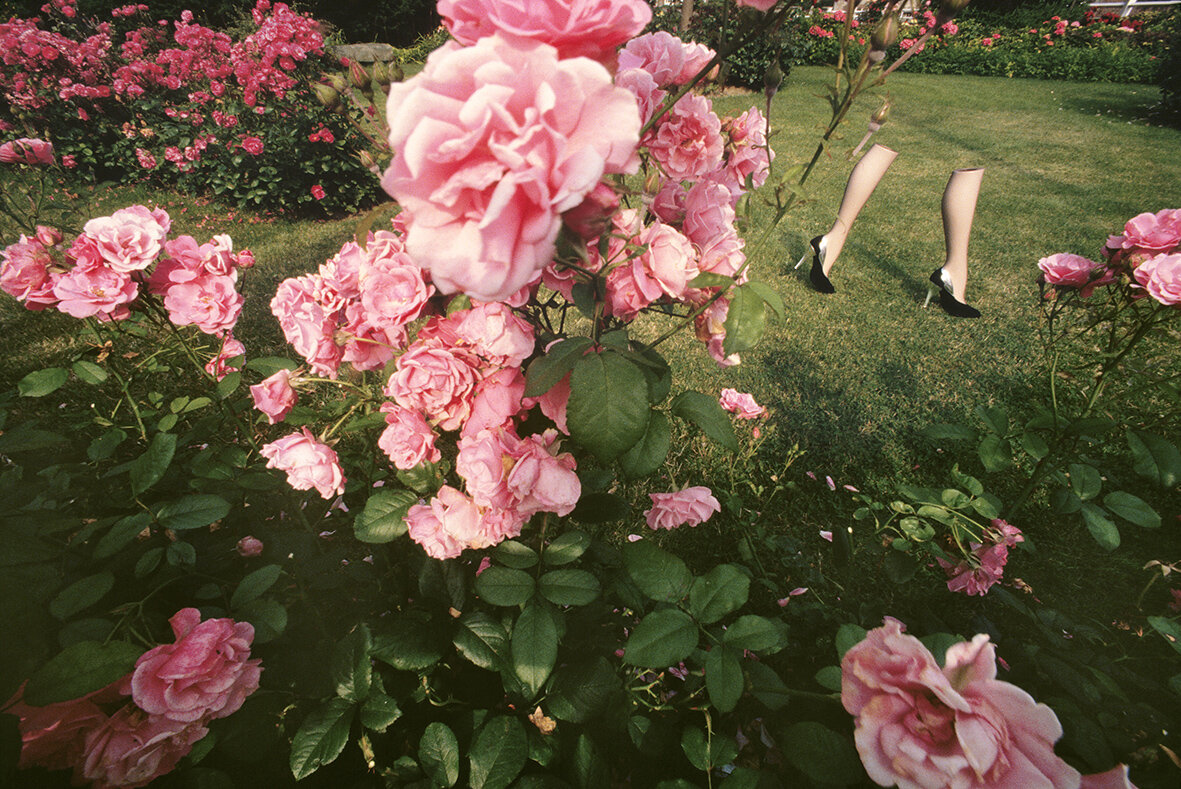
1065,269
494,142
918,725
408,440
132,748
697,57
448,525
542,480
591,218
1161,277
438,381
483,463
760,5
741,403
95,291
711,330
25,273
248,547
748,159
644,90
497,400
26,151
206,674
1159,232
708,213
661,54
308,463
274,396
978,575
393,291
219,366
690,506
210,302
688,139
497,334
587,28
307,314
54,736
252,146
131,238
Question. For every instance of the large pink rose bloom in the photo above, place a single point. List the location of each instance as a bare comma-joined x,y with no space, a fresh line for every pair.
25,273
1065,269
274,396
308,463
687,507
494,141
131,238
1154,233
449,524
587,28
688,140
95,291
1161,277
132,748
919,726
407,439
439,382
27,151
210,302
206,674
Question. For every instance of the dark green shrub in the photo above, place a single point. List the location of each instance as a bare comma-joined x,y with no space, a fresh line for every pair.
1169,108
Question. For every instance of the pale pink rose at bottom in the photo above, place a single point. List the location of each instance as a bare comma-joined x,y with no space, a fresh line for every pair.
206,674
1161,277
132,748
450,523
308,463
248,547
741,404
687,507
920,726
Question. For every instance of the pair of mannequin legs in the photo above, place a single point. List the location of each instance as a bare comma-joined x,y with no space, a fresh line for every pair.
959,209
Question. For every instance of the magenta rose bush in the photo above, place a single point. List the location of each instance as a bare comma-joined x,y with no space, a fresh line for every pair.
416,523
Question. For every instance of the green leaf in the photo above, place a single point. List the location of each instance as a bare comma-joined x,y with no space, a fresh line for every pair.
600,507
1034,444
766,686
1064,502
1168,629
995,453
741,778
580,691
148,562
953,499
663,638
193,512
1085,481
702,754
379,711
768,295
568,547
829,678
80,669
986,507
123,532
228,385
1101,527
105,445
24,438
569,587
517,555
504,586
498,753
384,517
848,636
1133,509
321,737
266,366
756,633
42,382
546,371
88,372
1155,458
408,643
81,594
696,749
481,639
181,554
534,647
648,454
424,478
656,371
149,468
746,319
900,567
607,412
995,419
705,412
659,574
268,616
723,678
944,432
351,670
254,584
708,279
723,590
823,755
438,753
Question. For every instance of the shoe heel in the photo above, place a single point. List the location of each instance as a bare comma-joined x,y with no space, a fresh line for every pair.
805,257
931,291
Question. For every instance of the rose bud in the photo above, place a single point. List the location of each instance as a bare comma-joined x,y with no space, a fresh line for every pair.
381,74
772,79
589,218
884,36
879,117
49,236
328,96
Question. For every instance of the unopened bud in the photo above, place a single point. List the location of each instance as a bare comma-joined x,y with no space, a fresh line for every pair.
883,112
591,217
327,96
359,76
369,163
652,182
772,79
48,236
885,34
396,73
947,11
338,83
381,74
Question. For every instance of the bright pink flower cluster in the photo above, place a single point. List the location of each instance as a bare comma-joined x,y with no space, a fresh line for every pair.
919,725
977,574
1148,252
176,690
101,273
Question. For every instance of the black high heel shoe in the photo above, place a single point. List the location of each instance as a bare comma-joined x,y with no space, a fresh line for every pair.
816,276
941,284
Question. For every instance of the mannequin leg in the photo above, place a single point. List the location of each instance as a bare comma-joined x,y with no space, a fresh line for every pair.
862,181
959,209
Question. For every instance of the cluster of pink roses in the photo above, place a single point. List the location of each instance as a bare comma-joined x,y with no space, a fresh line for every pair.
919,725
176,690
977,574
28,151
101,273
1148,252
